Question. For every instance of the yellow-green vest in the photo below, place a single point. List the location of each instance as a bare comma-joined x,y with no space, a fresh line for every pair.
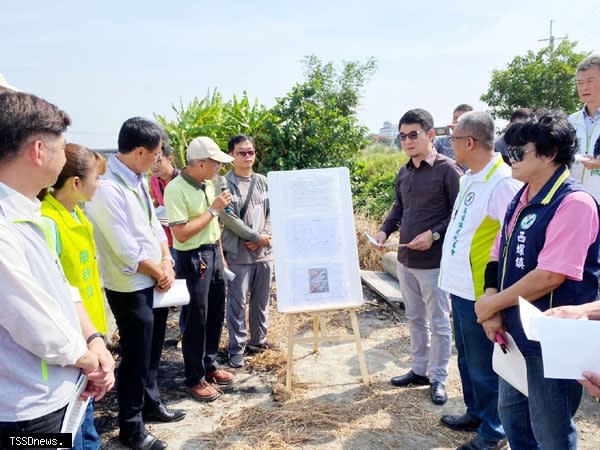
78,257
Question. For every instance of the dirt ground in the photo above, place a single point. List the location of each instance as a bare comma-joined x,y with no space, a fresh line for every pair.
329,407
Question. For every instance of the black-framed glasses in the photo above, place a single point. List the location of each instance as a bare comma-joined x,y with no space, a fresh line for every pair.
517,153
412,135
453,139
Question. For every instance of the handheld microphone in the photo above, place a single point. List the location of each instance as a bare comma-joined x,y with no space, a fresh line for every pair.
223,187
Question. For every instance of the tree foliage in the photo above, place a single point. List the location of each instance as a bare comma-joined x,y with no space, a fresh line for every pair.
315,124
542,79
219,120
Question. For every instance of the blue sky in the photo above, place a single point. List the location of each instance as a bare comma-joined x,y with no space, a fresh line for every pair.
106,61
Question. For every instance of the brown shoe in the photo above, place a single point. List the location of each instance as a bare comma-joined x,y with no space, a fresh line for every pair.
220,377
204,392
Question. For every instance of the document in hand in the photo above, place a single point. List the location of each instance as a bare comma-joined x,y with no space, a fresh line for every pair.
511,365
75,409
568,346
177,295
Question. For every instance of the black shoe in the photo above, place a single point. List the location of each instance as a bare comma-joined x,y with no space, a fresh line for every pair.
478,443
253,349
410,378
461,423
162,414
143,441
438,393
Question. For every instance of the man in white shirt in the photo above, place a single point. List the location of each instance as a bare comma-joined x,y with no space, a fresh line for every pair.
586,121
135,261
485,192
46,338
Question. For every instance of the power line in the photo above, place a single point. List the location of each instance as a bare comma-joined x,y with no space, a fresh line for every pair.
551,38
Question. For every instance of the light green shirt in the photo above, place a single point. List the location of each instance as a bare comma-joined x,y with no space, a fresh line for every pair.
186,199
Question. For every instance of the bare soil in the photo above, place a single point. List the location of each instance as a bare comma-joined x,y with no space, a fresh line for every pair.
329,407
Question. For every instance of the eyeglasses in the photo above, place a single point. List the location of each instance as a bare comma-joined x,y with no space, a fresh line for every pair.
246,153
412,135
517,153
456,138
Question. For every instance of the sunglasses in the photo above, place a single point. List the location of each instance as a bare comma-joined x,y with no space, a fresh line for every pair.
517,153
412,135
247,153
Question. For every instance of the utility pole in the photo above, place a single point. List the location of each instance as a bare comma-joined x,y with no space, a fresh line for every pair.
551,38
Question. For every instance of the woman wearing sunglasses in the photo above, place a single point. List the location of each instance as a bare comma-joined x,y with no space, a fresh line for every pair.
547,252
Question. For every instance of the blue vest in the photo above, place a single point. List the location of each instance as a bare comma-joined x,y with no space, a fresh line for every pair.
520,250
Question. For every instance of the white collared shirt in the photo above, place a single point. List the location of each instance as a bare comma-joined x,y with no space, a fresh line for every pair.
40,334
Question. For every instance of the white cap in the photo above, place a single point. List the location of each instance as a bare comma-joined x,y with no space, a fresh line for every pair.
205,148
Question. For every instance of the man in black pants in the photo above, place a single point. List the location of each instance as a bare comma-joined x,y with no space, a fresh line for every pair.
135,261
192,209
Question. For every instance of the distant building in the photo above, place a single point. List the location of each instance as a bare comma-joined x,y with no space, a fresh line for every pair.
106,152
389,131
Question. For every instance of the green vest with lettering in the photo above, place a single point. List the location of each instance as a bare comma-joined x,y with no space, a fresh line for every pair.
78,257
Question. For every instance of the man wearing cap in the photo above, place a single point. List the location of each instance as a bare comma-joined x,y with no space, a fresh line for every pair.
135,261
192,208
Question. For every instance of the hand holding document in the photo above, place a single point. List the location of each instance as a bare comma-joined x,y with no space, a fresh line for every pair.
508,362
568,346
177,295
373,241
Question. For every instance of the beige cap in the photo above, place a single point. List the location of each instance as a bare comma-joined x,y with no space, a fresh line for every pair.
5,85
204,147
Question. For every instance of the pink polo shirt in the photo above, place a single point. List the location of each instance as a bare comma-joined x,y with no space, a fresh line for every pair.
568,236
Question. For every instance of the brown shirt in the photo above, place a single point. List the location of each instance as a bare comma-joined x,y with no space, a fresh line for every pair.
424,199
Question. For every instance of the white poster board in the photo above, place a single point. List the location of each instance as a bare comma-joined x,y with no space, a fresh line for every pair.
314,240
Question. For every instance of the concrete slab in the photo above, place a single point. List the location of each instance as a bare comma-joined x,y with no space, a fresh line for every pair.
384,284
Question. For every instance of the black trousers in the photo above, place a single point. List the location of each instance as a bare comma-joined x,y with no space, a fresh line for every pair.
206,311
142,334
50,423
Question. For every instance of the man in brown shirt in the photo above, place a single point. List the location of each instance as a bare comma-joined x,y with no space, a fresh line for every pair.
426,188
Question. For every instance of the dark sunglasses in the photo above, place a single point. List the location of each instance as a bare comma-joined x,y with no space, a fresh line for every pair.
247,153
412,135
517,153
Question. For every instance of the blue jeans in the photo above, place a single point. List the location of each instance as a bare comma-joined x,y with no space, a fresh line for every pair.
544,420
479,381
87,437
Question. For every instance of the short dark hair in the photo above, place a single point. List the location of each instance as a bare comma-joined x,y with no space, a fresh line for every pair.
165,146
23,116
551,133
520,115
139,132
463,107
235,140
418,116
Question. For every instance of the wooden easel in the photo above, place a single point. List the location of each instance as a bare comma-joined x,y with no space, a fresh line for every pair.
320,335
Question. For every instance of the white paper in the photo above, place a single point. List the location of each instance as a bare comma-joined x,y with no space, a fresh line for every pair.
373,241
511,366
75,409
530,318
177,295
569,347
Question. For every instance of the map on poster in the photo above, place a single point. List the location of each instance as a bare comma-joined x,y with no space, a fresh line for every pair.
314,240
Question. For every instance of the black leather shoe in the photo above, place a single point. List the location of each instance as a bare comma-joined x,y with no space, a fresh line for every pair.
410,378
162,414
143,441
461,423
438,393
478,443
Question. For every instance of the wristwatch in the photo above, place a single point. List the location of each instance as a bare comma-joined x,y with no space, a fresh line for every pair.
436,236
213,212
170,259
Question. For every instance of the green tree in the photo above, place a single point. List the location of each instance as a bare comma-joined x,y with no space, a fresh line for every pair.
542,79
217,119
315,124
